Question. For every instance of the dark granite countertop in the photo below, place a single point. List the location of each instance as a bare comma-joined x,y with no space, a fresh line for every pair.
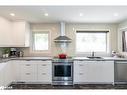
25,58
101,59
75,58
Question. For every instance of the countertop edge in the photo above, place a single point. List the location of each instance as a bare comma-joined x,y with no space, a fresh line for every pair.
75,59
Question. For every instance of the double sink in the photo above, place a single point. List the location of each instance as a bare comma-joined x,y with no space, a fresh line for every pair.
94,57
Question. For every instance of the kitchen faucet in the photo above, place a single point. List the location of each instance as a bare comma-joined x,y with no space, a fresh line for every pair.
93,53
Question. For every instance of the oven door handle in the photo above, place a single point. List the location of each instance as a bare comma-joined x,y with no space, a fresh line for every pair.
62,64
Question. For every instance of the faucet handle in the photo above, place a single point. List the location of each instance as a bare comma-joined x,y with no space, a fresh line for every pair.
93,53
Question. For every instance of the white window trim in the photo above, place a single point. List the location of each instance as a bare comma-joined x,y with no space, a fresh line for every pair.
98,53
41,51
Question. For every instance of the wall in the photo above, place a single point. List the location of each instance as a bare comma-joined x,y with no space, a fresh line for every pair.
70,32
54,28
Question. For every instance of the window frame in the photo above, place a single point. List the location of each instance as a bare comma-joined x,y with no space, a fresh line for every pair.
49,41
93,31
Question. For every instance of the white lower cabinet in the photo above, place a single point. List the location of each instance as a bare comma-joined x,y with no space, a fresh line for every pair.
28,71
6,73
45,72
34,71
2,66
93,72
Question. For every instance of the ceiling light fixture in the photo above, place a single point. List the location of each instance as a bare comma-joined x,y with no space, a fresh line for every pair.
12,14
116,14
46,14
81,14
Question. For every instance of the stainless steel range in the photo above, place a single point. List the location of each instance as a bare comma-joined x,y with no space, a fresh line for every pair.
62,71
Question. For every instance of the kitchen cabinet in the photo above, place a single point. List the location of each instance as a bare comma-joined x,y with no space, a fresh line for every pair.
34,71
5,32
28,71
6,73
45,72
2,65
93,72
20,34
14,34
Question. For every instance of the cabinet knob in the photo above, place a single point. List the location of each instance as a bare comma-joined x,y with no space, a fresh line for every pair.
44,60
28,59
44,65
43,73
27,64
80,73
81,65
27,73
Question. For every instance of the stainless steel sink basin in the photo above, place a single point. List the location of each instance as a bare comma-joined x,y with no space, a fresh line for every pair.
94,57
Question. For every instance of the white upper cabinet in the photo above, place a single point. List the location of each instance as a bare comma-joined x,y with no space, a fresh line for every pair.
20,34
14,34
5,32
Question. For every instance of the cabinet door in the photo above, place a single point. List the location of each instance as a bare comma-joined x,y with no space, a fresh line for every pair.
79,71
16,70
100,71
5,32
45,72
94,72
2,66
28,71
6,73
106,73
21,34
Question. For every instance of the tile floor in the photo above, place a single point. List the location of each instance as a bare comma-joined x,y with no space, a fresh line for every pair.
85,86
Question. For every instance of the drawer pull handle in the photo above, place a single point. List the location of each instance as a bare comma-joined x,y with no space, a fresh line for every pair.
43,73
80,73
44,60
44,65
80,65
28,60
27,64
27,73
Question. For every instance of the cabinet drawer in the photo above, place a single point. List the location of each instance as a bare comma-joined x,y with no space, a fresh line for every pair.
45,77
79,77
28,67
44,68
79,67
45,73
79,73
28,76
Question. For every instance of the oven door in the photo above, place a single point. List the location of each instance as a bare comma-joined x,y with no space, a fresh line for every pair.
62,72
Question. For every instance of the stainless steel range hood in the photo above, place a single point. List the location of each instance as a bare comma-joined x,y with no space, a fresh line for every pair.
62,38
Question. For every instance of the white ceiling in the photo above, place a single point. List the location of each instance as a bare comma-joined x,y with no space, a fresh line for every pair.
91,14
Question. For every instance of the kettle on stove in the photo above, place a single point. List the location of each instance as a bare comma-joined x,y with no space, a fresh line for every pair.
62,56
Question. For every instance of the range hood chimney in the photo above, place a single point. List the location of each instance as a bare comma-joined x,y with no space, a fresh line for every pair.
62,38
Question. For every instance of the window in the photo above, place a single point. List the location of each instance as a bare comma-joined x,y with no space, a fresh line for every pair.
88,41
41,41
